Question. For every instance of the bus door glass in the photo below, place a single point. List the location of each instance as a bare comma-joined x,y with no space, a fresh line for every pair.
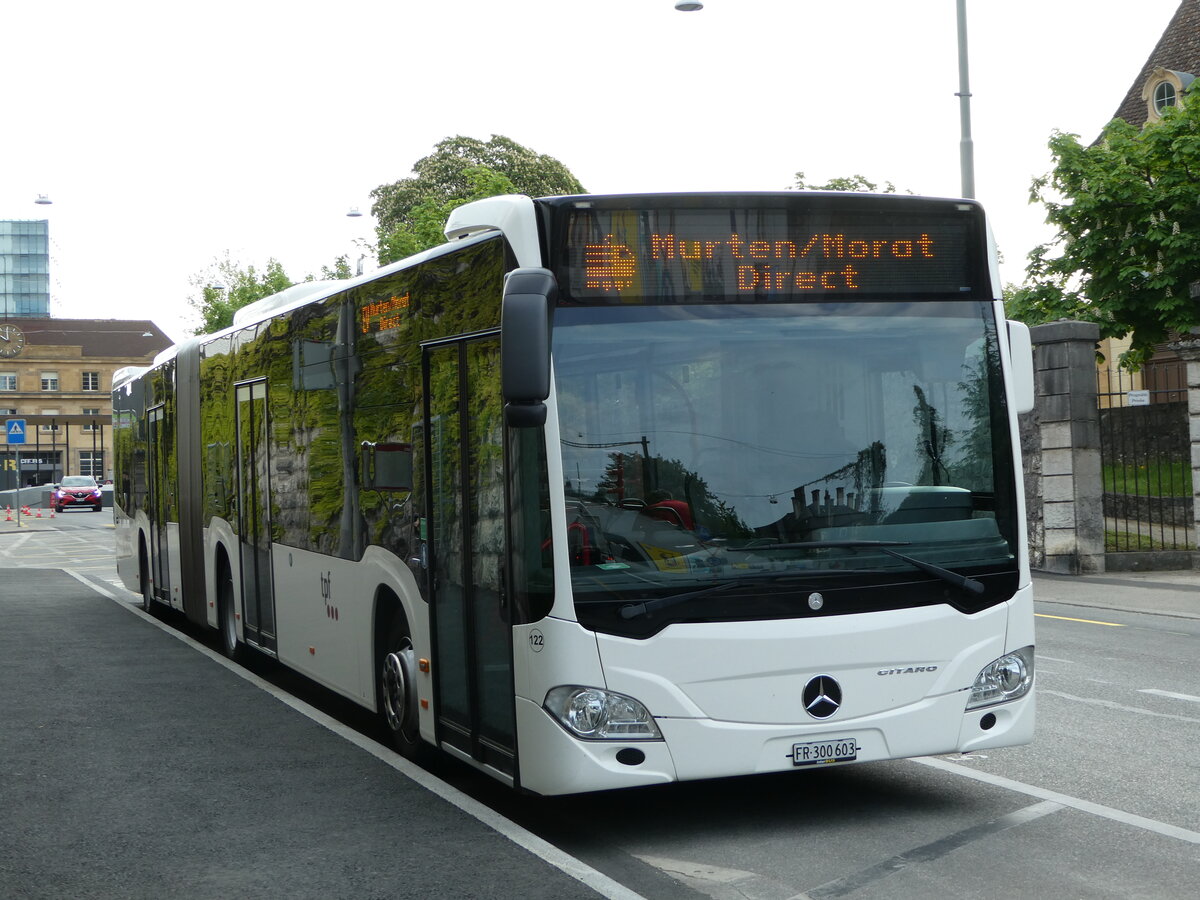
465,473
159,489
254,514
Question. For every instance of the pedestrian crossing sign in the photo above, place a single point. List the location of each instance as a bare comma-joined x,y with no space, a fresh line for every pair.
14,430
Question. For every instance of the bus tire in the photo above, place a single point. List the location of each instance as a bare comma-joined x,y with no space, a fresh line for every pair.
227,614
396,684
144,580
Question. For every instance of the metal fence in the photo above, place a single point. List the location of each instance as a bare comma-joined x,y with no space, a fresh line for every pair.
1145,458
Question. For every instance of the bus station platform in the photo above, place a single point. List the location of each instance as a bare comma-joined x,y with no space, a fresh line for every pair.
137,764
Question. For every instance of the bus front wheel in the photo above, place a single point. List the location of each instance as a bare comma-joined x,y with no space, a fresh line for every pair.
398,692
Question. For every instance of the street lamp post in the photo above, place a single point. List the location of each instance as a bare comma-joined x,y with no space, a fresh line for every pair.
966,147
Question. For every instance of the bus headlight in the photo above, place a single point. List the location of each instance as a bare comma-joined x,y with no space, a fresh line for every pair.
594,714
1008,678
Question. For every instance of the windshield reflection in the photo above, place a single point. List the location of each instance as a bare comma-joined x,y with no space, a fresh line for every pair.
738,442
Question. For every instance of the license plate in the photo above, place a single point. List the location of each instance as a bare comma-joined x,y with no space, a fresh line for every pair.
818,753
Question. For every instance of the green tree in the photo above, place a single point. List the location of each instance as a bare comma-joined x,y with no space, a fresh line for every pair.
339,272
423,229
411,212
1127,246
225,287
849,183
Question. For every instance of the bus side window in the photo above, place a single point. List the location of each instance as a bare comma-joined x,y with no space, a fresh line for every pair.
387,466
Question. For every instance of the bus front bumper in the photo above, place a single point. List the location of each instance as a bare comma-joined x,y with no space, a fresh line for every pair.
554,762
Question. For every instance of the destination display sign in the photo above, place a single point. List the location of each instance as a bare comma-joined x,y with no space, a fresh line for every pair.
384,315
663,254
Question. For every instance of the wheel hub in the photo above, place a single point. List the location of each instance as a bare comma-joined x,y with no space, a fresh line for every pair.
399,697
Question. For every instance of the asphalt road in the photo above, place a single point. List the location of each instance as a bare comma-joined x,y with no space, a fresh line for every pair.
1103,804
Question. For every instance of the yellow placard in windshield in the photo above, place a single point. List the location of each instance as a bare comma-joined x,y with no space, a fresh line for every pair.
666,560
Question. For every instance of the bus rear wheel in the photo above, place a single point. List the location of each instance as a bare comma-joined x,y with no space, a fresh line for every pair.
144,578
227,615
397,687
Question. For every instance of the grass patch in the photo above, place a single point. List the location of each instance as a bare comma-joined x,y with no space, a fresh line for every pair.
1129,542
1153,479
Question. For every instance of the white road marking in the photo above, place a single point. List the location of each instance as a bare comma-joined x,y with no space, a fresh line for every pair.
852,883
1095,809
577,869
1171,694
12,546
1120,707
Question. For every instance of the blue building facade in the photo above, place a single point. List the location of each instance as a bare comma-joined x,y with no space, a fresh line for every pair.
24,268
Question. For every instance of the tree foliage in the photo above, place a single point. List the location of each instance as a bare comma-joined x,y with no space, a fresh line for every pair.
339,271
1127,246
845,183
225,287
423,229
410,212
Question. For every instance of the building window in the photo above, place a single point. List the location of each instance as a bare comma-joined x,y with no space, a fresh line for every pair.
92,463
91,426
8,411
47,427
91,381
8,381
49,381
1164,89
1164,96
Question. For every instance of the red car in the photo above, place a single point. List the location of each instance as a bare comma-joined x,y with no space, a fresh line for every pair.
75,491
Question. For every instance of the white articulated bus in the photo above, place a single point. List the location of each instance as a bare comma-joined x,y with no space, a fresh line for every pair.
616,490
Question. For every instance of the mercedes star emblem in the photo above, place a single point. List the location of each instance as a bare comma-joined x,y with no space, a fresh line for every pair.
822,697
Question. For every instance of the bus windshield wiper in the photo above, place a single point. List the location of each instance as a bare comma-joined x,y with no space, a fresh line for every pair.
963,581
630,610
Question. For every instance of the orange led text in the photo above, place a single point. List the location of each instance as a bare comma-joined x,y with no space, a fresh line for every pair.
385,314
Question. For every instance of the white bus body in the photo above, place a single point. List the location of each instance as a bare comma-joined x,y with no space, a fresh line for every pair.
615,491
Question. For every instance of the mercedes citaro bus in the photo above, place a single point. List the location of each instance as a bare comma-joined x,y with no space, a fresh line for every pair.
616,490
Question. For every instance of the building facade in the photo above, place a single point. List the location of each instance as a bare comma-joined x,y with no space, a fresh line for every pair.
56,378
25,267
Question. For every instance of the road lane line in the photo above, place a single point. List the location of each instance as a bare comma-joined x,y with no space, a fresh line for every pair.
569,865
1119,707
1085,621
1095,809
15,544
849,884
1171,694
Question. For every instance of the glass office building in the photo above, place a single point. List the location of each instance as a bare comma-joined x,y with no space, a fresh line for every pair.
24,268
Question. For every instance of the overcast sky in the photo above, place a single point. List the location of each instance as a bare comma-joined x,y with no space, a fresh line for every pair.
167,135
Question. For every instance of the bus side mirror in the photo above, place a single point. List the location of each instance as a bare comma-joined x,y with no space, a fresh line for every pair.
525,319
1020,350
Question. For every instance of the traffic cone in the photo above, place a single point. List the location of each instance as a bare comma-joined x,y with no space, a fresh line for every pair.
39,514
52,512
8,509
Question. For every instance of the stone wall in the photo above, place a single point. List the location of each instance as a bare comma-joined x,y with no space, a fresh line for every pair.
1061,442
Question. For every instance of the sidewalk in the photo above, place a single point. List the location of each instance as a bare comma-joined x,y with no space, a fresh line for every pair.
135,766
1174,593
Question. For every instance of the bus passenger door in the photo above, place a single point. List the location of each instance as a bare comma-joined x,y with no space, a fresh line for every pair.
254,515
158,491
472,634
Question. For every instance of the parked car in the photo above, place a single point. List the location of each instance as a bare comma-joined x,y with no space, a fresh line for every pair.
76,491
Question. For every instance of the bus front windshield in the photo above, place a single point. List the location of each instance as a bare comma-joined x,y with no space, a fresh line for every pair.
734,461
